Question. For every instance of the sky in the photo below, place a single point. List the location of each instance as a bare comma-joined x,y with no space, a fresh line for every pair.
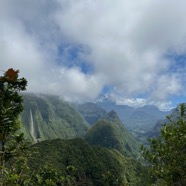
131,51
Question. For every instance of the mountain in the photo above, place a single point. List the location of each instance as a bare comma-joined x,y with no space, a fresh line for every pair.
144,118
89,165
48,117
138,120
122,110
91,112
109,132
157,128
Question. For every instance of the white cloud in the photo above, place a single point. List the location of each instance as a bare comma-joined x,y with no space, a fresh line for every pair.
127,42
166,85
139,102
74,85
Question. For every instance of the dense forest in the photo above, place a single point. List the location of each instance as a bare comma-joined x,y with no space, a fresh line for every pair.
47,141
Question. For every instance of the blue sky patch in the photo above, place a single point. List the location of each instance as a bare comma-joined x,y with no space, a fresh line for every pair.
74,56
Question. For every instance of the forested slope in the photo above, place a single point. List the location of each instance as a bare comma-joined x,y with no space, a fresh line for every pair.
48,117
86,164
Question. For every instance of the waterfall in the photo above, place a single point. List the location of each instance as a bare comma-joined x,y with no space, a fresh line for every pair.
32,131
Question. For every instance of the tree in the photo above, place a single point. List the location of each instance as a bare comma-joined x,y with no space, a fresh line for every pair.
167,153
14,151
11,140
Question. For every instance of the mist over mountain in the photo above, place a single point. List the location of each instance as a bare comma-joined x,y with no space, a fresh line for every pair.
138,120
91,112
49,117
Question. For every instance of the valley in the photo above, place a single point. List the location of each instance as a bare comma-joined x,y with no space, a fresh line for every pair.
63,133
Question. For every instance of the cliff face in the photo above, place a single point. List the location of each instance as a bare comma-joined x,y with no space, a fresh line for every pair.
48,117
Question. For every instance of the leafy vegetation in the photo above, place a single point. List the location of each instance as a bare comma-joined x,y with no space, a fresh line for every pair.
82,164
166,154
12,160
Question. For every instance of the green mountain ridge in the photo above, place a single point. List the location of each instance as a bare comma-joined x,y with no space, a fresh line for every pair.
48,117
94,165
109,132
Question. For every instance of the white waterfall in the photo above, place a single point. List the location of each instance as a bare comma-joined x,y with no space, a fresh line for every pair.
32,131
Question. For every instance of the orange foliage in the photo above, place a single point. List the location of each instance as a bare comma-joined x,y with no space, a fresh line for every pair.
11,74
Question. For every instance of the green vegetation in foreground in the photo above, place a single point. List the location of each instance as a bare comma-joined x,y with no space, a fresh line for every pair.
12,145
89,165
167,153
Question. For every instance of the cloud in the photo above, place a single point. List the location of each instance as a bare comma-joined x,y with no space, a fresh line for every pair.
138,102
128,40
74,85
126,44
163,105
166,85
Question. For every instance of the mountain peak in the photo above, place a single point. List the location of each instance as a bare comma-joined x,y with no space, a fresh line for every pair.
112,115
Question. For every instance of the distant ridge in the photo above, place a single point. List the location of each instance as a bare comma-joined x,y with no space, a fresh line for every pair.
91,112
138,120
157,128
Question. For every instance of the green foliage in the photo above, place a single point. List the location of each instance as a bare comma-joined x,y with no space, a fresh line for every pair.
82,164
11,140
10,102
166,155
